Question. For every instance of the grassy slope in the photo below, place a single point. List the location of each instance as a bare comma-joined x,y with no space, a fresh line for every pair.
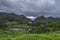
16,35
14,24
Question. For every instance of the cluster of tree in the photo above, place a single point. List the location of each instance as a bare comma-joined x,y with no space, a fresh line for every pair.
44,20
13,17
46,28
45,25
2,23
39,25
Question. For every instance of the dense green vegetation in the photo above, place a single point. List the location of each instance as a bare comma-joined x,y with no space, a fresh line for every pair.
16,35
41,28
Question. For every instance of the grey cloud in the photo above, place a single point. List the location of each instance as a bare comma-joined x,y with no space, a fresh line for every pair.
31,7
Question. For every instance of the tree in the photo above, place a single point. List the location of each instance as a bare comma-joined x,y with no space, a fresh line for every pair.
40,29
2,23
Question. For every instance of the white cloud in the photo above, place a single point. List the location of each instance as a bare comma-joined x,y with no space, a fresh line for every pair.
31,17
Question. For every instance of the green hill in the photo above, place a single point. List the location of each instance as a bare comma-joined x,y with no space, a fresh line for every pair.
13,17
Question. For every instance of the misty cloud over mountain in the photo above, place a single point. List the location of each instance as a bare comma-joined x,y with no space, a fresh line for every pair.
31,7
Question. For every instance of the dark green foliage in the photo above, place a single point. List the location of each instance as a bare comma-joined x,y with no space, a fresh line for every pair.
38,30
13,17
2,23
45,25
39,25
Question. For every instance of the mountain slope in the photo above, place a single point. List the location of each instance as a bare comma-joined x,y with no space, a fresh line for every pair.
14,17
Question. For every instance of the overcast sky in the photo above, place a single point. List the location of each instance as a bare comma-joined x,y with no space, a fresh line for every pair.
31,7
